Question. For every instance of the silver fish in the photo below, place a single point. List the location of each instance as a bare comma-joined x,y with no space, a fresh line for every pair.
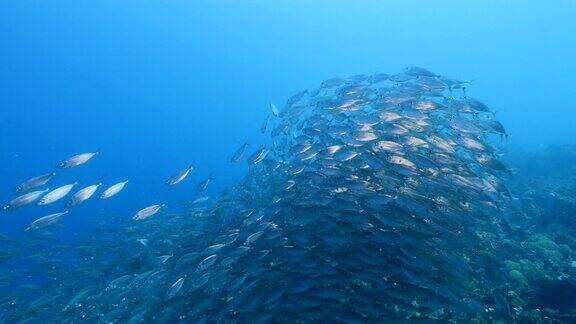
200,200
204,184
45,221
366,120
143,242
274,110
56,194
24,199
388,146
300,148
464,126
252,238
441,143
424,105
77,160
289,184
389,116
345,155
494,126
418,71
258,156
35,182
264,126
175,288
400,77
179,177
295,98
431,83
213,249
113,190
332,149
472,144
147,212
307,155
472,105
415,141
164,258
239,153
207,262
402,161
83,195
365,136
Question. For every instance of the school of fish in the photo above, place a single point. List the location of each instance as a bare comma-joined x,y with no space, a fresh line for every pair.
376,198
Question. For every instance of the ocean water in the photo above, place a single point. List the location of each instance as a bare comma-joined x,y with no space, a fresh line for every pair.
157,86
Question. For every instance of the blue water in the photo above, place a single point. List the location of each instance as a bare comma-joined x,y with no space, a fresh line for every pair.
160,85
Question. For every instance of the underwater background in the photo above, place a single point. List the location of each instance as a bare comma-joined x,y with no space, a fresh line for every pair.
157,86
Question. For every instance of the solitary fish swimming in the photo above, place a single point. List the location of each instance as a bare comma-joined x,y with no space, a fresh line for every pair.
179,177
45,221
239,153
56,194
264,126
147,212
83,195
35,182
274,110
24,199
77,160
113,190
